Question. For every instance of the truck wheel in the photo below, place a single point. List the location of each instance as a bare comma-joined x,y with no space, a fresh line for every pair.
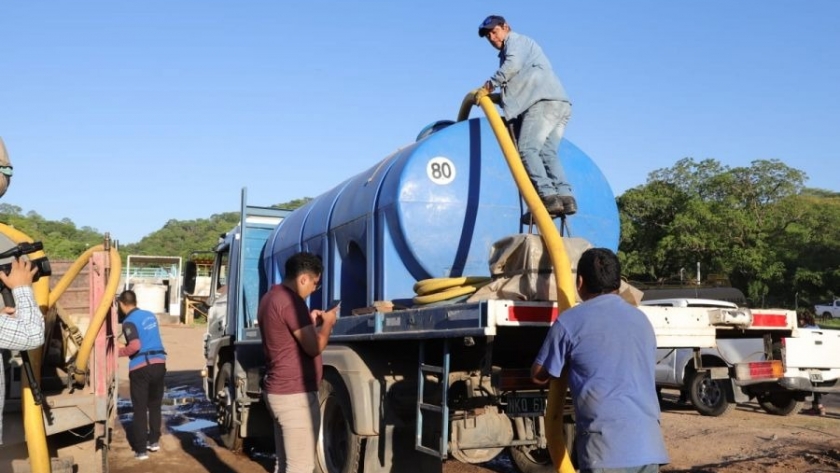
530,459
779,403
228,416
708,395
339,449
827,315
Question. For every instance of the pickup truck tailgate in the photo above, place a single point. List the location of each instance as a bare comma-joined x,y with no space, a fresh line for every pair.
812,348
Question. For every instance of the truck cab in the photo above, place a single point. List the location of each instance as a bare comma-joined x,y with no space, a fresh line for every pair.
232,345
828,310
714,386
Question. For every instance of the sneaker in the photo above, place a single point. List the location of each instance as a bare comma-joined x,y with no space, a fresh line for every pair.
141,456
814,411
153,447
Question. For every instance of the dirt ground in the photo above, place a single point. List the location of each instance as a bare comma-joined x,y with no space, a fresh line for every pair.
746,440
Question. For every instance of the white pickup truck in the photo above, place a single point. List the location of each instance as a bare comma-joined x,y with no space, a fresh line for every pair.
811,362
828,309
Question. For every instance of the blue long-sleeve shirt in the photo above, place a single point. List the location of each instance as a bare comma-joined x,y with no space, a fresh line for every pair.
525,76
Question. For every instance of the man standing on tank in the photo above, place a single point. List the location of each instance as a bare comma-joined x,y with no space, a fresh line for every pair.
293,339
609,349
535,102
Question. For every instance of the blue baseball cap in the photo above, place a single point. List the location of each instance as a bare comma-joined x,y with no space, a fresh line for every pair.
489,23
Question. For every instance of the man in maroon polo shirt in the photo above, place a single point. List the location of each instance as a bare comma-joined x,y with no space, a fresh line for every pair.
293,339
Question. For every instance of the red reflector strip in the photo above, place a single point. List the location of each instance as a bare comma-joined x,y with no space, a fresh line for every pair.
760,370
769,320
520,313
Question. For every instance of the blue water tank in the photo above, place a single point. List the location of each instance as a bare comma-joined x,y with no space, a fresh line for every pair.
432,209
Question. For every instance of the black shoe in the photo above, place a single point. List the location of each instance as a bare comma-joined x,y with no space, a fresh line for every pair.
569,205
554,205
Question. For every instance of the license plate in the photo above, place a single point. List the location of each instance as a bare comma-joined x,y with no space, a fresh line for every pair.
816,377
526,405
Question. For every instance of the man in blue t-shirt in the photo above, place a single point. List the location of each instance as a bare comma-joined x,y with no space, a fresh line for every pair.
146,371
608,347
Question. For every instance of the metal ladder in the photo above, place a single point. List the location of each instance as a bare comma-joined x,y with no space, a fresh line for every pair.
442,409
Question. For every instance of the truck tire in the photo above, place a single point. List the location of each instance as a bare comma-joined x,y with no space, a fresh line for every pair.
779,403
529,459
709,396
228,416
827,315
339,449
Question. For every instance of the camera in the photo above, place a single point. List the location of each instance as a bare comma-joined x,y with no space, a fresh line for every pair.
42,264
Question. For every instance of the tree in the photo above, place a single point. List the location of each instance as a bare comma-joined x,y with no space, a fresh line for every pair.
809,247
730,220
182,237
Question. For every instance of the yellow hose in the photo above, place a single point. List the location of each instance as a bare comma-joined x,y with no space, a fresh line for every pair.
441,289
33,417
99,316
559,260
429,286
71,273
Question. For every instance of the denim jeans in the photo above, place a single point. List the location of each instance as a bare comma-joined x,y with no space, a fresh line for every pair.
634,469
540,130
297,420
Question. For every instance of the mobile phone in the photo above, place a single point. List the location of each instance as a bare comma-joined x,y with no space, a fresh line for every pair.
335,305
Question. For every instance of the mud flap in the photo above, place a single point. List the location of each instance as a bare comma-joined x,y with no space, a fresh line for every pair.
738,394
393,450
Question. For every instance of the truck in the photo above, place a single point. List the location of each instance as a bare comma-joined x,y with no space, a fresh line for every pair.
811,360
407,385
70,383
828,310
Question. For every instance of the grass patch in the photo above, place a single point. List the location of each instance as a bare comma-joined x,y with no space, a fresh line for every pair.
830,323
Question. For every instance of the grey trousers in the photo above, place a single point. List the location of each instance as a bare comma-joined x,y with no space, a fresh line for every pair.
297,420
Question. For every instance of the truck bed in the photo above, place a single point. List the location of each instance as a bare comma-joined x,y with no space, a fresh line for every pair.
674,327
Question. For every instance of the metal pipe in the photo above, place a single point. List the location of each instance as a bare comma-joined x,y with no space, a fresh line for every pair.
105,306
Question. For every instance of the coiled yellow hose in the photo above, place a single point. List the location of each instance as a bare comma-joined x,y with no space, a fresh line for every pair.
441,289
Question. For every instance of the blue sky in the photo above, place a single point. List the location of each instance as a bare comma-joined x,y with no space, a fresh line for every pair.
121,115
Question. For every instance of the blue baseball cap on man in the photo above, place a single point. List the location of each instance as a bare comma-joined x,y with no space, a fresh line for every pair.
489,23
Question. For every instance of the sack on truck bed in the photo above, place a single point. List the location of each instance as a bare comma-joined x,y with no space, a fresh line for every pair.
521,270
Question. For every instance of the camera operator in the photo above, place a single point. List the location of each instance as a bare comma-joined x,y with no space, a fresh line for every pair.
22,326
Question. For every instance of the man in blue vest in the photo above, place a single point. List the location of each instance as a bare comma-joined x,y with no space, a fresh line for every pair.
146,370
